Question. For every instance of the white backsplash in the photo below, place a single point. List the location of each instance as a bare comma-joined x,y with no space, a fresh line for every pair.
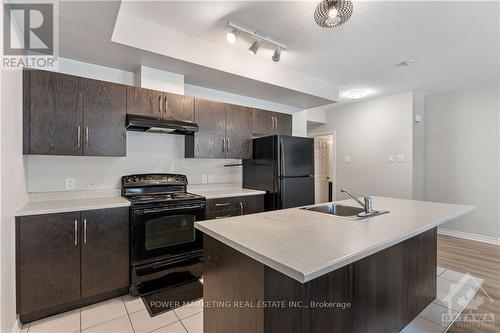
146,153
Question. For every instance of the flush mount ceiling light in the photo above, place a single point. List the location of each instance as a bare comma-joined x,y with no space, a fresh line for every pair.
357,94
405,63
231,36
259,39
332,13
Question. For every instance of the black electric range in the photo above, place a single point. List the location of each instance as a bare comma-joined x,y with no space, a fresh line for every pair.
165,248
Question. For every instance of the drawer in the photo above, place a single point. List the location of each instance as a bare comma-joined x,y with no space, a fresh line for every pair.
223,214
220,205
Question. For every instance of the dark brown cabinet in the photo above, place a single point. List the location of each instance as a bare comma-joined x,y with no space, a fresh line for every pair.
269,123
105,251
52,113
146,102
47,260
104,110
68,260
69,115
225,131
234,206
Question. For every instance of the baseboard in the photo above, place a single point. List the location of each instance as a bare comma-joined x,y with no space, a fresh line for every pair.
469,236
16,327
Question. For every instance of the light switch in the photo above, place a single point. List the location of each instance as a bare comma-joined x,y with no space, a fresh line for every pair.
210,179
347,159
418,118
401,158
390,158
203,179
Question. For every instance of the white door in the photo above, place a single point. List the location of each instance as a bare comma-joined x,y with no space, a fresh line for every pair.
321,169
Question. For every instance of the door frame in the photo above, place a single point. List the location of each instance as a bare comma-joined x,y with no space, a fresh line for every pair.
333,159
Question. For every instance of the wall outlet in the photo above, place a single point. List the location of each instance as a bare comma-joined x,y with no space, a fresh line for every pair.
70,184
210,179
401,158
203,179
390,159
347,159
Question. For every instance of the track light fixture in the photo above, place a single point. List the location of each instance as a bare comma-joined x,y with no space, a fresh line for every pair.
254,47
259,38
277,55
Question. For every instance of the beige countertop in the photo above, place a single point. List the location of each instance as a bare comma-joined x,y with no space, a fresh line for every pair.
71,205
304,244
214,193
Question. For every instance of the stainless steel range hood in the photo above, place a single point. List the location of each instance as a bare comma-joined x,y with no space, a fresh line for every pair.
155,125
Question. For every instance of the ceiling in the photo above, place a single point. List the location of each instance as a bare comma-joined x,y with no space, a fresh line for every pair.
452,44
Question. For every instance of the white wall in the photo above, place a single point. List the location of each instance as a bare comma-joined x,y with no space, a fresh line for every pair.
368,132
146,152
462,155
13,188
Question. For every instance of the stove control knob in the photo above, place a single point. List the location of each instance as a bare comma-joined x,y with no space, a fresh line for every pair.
135,179
177,178
127,180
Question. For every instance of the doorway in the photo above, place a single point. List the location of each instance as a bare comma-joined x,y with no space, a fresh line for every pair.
324,161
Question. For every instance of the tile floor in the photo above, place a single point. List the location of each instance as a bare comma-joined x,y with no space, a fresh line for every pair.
454,291
128,314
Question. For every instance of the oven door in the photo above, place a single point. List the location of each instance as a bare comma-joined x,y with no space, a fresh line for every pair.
164,232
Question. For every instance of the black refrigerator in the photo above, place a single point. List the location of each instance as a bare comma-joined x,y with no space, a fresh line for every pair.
283,166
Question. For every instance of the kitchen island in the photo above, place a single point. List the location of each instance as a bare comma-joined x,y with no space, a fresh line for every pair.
295,270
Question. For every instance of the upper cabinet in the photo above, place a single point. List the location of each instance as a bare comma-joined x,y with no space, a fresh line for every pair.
69,115
269,123
146,102
225,131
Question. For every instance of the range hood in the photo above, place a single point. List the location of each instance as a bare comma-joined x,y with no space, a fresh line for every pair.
155,125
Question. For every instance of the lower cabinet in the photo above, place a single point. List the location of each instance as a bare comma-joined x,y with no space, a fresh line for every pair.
67,260
234,206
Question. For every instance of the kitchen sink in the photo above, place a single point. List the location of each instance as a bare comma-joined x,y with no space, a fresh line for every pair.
346,212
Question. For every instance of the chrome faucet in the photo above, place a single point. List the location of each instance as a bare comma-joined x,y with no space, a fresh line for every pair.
367,205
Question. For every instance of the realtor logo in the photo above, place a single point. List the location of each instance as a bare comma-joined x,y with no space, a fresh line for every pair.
29,35
36,25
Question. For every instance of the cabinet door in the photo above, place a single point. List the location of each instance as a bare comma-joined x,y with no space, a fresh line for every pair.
52,113
211,118
178,107
252,204
238,132
47,261
263,122
105,250
284,123
144,102
104,113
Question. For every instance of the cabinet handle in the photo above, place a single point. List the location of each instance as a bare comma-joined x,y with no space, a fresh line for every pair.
78,135
84,231
223,144
228,144
241,208
222,204
159,105
166,105
276,118
76,232
222,217
86,135
272,122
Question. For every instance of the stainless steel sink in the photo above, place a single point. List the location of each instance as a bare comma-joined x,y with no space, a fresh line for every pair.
346,212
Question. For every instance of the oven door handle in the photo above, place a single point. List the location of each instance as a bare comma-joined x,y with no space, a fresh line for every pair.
171,209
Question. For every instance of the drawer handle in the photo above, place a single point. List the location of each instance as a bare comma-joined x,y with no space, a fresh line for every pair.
222,217
241,208
222,204
76,232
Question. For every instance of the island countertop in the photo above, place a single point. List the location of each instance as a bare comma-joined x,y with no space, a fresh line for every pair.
304,244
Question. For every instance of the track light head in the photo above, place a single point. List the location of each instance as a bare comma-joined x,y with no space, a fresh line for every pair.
254,48
231,36
277,54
